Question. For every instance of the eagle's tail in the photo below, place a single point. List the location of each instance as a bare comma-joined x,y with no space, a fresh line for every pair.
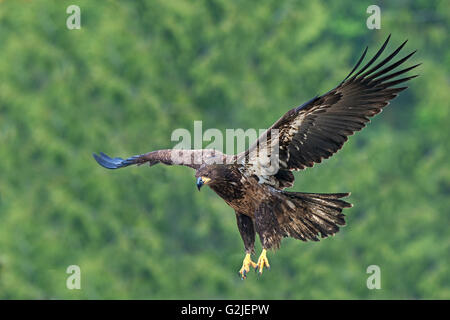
306,215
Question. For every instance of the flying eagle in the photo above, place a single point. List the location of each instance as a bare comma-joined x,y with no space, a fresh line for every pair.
304,136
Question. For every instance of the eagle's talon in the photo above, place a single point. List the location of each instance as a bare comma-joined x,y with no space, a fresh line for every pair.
246,266
262,262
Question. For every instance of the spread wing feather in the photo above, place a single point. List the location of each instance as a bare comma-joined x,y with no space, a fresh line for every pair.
317,129
189,158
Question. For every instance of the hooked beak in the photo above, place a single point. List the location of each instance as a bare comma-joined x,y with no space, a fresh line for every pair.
201,181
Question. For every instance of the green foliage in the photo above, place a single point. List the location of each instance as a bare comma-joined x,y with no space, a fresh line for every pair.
137,70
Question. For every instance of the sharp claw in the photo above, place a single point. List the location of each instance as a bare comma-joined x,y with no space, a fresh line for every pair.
262,262
246,265
243,273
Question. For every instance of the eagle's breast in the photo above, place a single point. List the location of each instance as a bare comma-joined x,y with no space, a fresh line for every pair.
241,192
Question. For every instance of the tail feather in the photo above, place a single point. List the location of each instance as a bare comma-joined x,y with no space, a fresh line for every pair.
305,216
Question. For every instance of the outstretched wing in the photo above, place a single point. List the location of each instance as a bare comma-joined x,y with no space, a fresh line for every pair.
319,128
189,158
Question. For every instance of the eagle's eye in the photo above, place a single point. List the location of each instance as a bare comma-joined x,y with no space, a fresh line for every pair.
201,181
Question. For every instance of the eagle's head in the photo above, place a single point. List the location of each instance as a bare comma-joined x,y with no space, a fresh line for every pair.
213,174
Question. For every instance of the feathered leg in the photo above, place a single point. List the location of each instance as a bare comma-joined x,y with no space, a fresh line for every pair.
269,233
247,231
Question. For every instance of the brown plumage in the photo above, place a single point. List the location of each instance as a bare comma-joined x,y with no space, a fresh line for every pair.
302,137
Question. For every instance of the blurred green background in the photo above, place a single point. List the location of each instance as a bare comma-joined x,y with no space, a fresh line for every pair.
136,71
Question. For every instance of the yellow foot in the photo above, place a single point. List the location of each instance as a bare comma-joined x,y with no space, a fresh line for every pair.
246,264
262,261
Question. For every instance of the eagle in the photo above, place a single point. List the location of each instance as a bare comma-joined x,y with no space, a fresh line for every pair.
303,136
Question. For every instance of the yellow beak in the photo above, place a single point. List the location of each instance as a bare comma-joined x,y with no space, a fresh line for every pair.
201,181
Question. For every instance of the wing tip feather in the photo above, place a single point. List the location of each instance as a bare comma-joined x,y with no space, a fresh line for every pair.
111,163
